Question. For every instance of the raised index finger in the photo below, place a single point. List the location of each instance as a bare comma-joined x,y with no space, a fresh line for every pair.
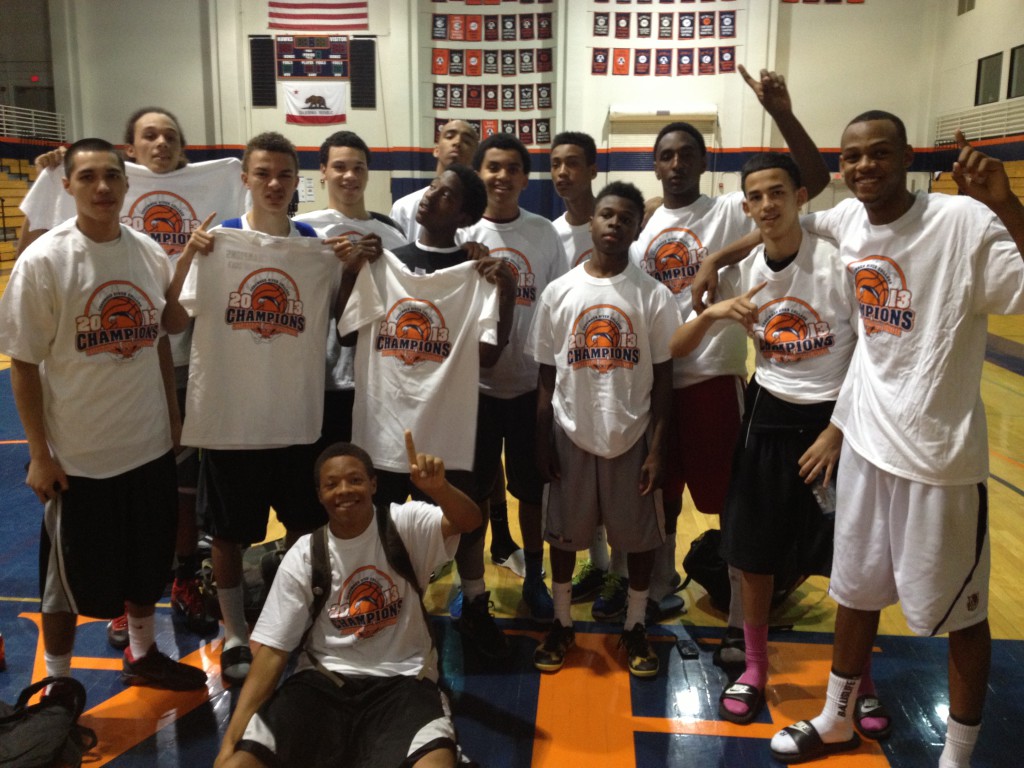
961,140
410,448
754,291
746,75
208,220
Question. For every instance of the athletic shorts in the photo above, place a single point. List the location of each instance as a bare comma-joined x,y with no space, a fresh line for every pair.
926,546
376,722
107,541
512,423
596,491
238,487
701,439
771,523
337,424
396,487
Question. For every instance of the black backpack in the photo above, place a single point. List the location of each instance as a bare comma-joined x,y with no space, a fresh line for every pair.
47,733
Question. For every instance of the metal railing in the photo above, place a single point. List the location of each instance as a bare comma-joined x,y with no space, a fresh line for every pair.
1004,118
18,122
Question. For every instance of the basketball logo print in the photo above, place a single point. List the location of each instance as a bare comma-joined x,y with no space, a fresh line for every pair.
369,602
883,297
268,304
789,330
414,332
673,258
602,339
166,217
526,287
119,319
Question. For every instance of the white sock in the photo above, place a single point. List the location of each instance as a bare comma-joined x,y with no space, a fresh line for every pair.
58,665
636,608
141,635
618,565
736,600
599,549
960,740
232,608
561,595
835,723
472,589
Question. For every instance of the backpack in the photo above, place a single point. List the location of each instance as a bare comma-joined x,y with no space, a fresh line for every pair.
47,733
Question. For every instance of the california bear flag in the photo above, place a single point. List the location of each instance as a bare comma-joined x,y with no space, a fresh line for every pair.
316,103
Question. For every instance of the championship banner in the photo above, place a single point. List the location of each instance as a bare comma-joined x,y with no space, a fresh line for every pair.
543,26
600,25
620,61
684,61
643,25
706,61
315,103
475,125
318,16
455,96
543,133
457,27
508,98
663,61
439,27
642,61
474,28
665,26
474,96
544,95
622,26
526,26
526,61
707,24
440,96
490,98
526,96
526,131
491,28
456,62
439,61
490,62
508,28
509,127
508,63
545,59
474,62
686,26
599,62
726,59
488,128
727,23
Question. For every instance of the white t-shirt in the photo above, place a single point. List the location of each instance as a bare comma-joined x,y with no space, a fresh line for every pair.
924,284
671,248
88,314
576,240
807,322
372,625
603,335
340,372
261,307
418,359
403,211
168,207
529,245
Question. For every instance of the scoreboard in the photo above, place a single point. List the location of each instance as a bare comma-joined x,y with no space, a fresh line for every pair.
319,56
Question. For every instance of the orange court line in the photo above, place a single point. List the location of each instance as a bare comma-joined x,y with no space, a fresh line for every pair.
13,442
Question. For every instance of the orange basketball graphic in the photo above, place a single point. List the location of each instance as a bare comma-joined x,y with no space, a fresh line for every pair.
366,597
672,255
413,325
783,327
121,312
872,287
602,333
162,218
269,297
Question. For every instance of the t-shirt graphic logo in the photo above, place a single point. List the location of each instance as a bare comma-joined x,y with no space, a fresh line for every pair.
526,289
414,331
882,296
789,330
602,338
369,602
164,216
119,319
268,304
673,258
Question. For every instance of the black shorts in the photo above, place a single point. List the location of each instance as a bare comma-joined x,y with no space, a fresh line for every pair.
512,423
238,488
376,722
772,523
110,540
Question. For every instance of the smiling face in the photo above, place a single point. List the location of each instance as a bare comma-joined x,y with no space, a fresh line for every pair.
98,184
272,178
678,165
874,163
615,225
346,493
570,172
504,178
773,201
345,174
156,143
456,143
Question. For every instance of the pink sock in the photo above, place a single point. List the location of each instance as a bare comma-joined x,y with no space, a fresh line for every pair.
867,688
756,672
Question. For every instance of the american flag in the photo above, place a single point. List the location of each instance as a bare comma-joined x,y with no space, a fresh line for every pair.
316,16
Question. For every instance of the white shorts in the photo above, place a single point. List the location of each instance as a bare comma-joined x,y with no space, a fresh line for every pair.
925,546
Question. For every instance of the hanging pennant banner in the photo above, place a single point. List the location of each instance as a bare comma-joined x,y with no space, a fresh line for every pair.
526,31
439,61
665,26
684,61
491,28
474,96
491,98
508,27
439,28
455,96
508,98
488,128
663,61
642,61
508,63
727,59
643,25
543,135
526,131
543,26
685,26
620,61
509,127
707,24
706,61
545,59
599,62
526,96
600,25
440,96
474,62
622,26
544,95
456,62
526,60
457,27
727,23
490,62
474,28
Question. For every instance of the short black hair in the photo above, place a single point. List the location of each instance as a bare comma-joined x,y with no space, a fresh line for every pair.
335,450
625,190
474,193
764,161
684,128
343,139
880,114
129,129
90,145
501,141
269,141
578,139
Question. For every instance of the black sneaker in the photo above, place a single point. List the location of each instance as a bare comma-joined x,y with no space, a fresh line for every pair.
476,624
643,662
158,671
550,655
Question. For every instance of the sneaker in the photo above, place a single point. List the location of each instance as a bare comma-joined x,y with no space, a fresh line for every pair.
515,561
587,581
550,655
117,632
476,624
610,605
538,600
643,662
187,601
159,671
455,604
659,610
235,664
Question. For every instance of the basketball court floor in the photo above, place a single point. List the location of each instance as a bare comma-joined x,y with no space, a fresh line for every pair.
592,713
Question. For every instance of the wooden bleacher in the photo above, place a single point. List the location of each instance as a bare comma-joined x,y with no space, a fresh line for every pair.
1014,169
15,178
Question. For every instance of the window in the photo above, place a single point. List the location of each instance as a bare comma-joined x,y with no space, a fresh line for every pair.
990,69
963,6
1016,87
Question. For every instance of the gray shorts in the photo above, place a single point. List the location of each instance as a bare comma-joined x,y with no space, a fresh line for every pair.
594,491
